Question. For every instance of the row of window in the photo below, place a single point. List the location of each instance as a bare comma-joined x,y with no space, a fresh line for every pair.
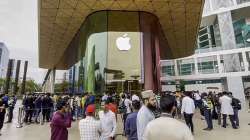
207,65
209,36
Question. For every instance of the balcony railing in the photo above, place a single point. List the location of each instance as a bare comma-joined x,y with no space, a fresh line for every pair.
242,1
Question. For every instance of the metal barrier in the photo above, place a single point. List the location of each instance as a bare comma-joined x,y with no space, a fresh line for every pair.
22,113
20,118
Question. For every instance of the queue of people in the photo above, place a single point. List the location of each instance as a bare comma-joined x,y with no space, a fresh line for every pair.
144,115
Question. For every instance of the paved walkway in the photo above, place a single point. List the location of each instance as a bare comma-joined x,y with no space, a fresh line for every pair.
42,132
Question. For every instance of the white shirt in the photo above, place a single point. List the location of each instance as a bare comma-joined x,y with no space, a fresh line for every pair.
89,128
104,97
226,107
144,116
187,105
167,128
197,96
135,97
108,125
128,104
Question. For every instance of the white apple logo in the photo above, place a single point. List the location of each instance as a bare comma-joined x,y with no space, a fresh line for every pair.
123,43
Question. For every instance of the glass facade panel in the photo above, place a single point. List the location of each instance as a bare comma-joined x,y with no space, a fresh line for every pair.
95,53
208,65
108,53
232,62
168,70
186,67
248,59
206,39
125,62
242,1
1,55
238,32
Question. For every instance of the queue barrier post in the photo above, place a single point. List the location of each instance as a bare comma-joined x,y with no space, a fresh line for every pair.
19,118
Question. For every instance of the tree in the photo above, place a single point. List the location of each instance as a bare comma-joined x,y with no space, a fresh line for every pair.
62,87
31,86
2,83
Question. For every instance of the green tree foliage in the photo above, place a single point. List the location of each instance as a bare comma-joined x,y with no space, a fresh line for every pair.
31,86
61,87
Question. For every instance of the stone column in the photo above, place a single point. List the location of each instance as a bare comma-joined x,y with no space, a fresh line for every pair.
52,81
231,61
235,85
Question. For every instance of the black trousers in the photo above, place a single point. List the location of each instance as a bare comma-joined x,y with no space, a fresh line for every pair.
46,114
231,117
189,121
28,115
2,115
11,109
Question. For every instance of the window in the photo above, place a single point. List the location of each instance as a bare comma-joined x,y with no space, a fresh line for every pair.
232,62
242,1
207,65
1,55
237,25
186,66
168,70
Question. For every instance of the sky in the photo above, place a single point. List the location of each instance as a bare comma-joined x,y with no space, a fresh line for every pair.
19,32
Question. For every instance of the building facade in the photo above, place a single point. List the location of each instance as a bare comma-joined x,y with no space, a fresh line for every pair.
115,45
222,56
4,59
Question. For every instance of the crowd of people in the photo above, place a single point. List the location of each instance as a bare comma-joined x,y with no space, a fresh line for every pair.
146,116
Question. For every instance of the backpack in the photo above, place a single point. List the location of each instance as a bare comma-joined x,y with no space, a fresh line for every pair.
236,103
122,107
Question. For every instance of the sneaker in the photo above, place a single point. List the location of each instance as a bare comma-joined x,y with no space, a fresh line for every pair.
223,126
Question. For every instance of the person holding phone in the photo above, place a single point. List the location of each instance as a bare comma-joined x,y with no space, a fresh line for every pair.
61,120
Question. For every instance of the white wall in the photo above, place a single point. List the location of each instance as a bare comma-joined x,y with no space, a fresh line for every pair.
4,60
169,88
203,87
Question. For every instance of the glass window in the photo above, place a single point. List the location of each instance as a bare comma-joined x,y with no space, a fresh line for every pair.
207,65
232,62
167,68
0,55
186,66
248,59
242,1
237,25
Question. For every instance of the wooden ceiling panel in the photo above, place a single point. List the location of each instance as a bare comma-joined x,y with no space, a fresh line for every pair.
48,12
60,21
49,3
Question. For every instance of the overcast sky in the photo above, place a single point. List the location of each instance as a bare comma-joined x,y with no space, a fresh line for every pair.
19,32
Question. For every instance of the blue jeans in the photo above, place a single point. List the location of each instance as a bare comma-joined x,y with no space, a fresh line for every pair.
236,117
208,118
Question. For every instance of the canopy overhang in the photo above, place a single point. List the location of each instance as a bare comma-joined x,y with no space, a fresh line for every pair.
59,21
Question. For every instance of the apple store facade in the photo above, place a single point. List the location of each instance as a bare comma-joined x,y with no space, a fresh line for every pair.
115,45
116,51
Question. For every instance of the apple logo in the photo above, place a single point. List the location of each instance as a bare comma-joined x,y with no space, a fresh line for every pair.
123,43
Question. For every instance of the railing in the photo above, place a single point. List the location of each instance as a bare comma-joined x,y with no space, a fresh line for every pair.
242,1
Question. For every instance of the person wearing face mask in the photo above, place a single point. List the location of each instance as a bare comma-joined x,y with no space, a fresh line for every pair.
61,120
145,114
